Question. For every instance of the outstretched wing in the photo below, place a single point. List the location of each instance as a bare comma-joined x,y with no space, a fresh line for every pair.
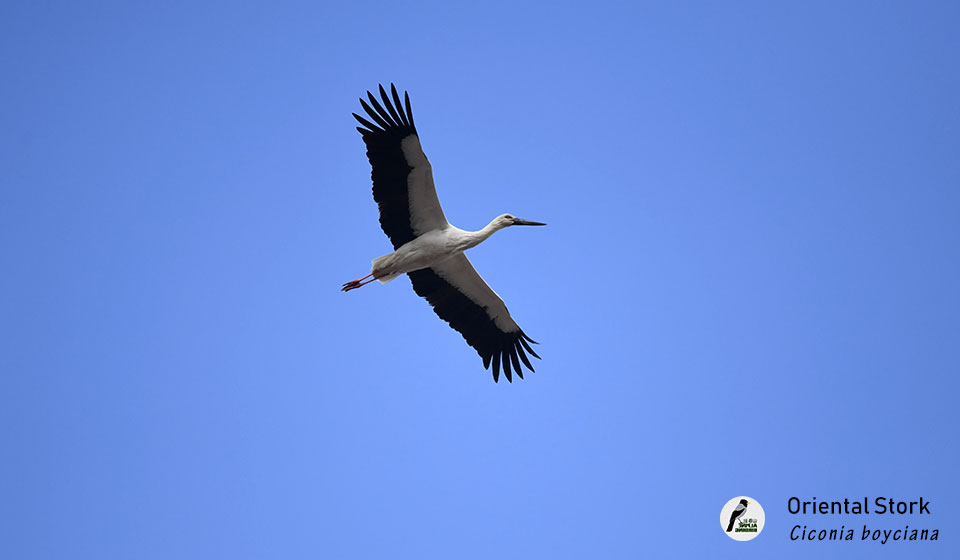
460,297
402,176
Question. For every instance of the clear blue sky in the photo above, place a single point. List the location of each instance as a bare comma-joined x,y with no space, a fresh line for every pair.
749,283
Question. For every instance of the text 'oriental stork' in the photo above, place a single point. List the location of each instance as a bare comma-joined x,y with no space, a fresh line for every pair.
427,248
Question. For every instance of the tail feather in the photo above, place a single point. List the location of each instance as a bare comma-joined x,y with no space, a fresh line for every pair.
381,268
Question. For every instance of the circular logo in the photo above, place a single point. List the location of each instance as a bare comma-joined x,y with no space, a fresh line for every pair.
742,518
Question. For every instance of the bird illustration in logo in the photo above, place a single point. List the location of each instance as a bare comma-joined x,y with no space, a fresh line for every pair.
737,513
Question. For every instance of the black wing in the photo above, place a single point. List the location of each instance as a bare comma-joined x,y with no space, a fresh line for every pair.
460,297
402,176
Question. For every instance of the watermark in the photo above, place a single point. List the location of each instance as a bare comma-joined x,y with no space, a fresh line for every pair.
742,518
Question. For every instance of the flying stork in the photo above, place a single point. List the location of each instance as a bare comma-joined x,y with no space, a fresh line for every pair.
429,249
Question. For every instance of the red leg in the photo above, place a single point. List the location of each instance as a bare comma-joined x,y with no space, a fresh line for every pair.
354,284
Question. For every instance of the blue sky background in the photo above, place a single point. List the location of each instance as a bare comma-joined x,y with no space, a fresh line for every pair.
749,283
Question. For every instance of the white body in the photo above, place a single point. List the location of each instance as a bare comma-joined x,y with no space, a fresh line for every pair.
431,248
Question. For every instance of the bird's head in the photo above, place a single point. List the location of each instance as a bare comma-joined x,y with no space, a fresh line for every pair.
507,220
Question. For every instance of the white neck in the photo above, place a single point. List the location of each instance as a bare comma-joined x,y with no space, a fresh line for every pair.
474,238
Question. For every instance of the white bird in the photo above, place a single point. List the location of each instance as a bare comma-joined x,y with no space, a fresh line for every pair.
426,247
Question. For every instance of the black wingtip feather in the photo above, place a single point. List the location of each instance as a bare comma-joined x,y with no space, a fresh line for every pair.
389,106
516,363
406,101
523,358
396,101
383,113
373,114
366,123
528,349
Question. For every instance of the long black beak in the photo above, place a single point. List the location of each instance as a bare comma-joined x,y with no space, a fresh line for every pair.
519,222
